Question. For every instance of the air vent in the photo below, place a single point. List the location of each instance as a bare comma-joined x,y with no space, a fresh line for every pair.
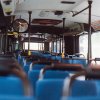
58,13
7,2
68,2
46,21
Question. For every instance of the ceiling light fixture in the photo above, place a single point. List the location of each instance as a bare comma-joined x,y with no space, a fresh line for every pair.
68,2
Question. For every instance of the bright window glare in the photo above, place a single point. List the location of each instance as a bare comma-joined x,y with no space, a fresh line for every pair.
34,46
83,45
96,45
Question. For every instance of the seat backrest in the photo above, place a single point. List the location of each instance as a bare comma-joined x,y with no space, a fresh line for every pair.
55,74
38,66
98,86
27,67
11,86
7,97
83,88
47,55
49,89
54,57
81,61
82,98
33,76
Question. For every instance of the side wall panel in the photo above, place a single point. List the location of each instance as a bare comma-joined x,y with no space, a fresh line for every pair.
71,44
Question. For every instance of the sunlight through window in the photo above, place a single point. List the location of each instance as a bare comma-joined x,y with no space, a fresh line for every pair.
34,46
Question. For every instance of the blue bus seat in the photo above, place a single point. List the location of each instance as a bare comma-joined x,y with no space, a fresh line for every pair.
19,59
55,74
49,89
27,67
38,66
82,98
52,89
97,82
56,57
33,76
81,61
11,97
83,88
47,56
11,86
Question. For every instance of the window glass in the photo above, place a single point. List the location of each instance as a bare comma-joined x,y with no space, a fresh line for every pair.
83,45
34,46
96,44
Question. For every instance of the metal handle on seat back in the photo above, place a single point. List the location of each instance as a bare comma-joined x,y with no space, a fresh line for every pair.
9,64
94,66
60,66
22,75
93,74
79,54
46,62
68,82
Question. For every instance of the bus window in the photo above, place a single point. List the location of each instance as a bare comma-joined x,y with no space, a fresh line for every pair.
34,46
83,44
96,45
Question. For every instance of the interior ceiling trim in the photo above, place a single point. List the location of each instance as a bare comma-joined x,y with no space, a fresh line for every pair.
46,21
68,2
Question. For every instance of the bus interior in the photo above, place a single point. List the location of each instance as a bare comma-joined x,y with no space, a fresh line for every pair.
49,50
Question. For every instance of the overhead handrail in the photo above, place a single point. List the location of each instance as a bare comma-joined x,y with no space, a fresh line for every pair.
89,56
74,14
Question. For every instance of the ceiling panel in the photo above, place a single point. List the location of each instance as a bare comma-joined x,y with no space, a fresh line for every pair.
45,9
47,5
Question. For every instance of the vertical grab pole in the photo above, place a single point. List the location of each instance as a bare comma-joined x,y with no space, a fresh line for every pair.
43,42
74,47
1,45
56,43
63,38
89,34
52,44
6,41
59,45
29,12
38,46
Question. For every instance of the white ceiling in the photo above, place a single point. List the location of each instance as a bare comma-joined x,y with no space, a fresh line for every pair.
45,9
47,5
